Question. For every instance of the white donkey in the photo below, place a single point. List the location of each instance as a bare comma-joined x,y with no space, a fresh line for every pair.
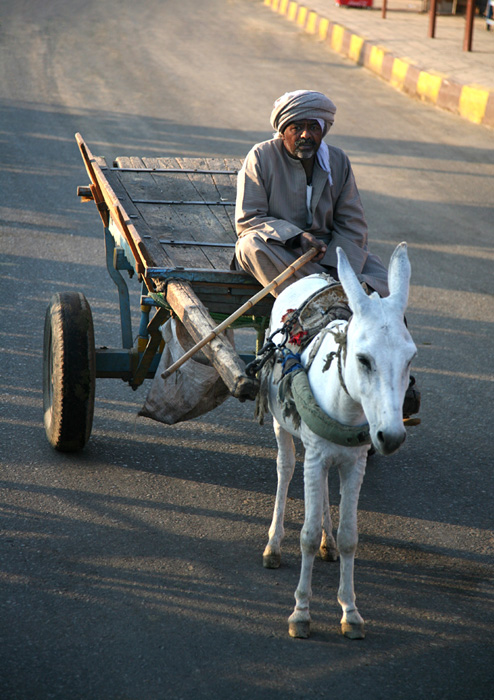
367,384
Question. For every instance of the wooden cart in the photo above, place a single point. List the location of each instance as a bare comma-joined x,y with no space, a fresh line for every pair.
169,224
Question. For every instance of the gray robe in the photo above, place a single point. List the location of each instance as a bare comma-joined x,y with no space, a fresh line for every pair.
271,210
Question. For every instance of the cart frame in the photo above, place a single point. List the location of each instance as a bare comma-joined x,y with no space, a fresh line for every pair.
151,247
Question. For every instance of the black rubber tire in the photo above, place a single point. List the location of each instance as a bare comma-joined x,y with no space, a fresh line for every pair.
69,372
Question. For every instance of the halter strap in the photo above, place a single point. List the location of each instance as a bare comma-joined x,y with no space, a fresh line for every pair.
340,338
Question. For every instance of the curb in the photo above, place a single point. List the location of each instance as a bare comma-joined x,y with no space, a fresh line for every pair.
471,102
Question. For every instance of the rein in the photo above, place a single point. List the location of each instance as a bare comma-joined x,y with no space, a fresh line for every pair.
340,338
269,348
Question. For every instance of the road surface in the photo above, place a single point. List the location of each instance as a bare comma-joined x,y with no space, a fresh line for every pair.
132,571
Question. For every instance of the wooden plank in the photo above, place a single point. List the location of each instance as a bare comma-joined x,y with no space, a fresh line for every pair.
216,297
201,223
143,186
223,277
219,351
192,256
178,221
204,222
201,185
140,185
227,184
229,305
227,299
197,186
101,188
187,257
216,187
136,184
157,256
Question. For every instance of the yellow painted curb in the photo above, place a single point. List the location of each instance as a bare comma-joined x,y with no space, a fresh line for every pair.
376,59
356,43
428,86
398,73
337,38
323,28
292,10
473,103
302,15
311,26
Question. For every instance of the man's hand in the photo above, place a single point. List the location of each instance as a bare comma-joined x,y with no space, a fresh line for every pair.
307,240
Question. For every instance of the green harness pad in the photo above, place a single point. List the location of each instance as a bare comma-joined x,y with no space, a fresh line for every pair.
295,394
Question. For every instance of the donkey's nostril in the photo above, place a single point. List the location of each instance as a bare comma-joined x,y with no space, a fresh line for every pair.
389,442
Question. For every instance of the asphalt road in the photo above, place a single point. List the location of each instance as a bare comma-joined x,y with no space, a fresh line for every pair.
132,571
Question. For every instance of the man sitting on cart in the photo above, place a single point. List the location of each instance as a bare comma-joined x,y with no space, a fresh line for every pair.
294,192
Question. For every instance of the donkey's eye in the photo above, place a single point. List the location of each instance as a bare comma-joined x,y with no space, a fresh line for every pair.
365,362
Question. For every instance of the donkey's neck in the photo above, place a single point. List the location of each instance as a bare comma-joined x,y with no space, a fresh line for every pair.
328,385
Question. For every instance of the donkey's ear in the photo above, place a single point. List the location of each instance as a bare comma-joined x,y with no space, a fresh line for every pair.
399,276
356,296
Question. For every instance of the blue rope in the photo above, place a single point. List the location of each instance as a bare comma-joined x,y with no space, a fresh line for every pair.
292,359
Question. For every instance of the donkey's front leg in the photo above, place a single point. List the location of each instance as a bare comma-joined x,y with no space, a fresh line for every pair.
351,476
315,473
285,465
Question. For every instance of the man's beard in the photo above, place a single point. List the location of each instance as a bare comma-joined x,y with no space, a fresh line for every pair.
305,153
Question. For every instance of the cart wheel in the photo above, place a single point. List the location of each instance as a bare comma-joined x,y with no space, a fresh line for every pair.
69,372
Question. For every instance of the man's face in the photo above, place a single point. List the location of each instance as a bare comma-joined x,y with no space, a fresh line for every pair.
302,138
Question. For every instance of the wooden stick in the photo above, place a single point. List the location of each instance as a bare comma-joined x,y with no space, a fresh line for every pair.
300,262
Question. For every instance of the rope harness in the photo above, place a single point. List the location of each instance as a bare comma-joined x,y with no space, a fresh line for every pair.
321,307
266,353
300,327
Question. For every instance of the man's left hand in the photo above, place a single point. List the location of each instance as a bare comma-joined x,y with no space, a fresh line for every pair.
307,240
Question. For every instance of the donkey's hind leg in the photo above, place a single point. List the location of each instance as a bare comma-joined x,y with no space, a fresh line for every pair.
328,550
285,465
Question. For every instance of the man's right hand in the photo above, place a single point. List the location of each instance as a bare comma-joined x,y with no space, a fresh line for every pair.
307,240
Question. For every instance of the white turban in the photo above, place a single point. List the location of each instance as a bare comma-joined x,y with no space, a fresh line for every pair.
302,104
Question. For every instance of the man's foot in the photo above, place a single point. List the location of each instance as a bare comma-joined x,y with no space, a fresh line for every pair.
411,404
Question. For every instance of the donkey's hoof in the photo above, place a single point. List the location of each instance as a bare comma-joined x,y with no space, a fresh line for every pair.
299,630
327,554
271,560
354,630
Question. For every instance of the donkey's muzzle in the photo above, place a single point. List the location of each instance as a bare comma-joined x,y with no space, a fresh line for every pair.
386,441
